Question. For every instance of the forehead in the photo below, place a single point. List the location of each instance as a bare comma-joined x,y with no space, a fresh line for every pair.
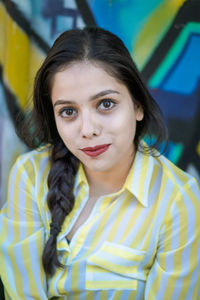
84,76
78,68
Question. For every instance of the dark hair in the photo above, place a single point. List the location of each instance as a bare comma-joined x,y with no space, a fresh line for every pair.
100,47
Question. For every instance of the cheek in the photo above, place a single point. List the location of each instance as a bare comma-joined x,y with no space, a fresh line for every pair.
125,128
66,133
125,122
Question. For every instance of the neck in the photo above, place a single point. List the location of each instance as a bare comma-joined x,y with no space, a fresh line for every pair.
109,181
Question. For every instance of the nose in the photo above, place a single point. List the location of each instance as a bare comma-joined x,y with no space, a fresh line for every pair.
90,126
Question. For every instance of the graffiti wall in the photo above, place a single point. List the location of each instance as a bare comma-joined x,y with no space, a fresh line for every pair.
163,37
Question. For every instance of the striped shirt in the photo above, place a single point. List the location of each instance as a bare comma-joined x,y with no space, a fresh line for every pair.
142,242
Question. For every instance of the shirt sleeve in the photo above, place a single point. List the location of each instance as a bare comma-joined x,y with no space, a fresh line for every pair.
175,274
22,237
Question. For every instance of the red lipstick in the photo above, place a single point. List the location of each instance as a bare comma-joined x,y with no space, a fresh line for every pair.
95,151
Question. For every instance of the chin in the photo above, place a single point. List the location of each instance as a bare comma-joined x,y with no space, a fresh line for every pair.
98,166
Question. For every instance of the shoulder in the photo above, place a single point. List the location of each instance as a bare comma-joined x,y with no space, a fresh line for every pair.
172,173
177,186
33,162
35,156
161,170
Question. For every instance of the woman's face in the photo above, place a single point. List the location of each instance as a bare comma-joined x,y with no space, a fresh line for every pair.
95,116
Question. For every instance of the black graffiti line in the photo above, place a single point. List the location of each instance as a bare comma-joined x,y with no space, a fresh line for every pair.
23,23
53,14
189,12
177,61
86,13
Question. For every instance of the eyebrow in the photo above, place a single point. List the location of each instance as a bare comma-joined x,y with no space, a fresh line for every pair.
98,95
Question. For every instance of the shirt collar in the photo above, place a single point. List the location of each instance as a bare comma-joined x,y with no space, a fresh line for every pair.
139,178
80,177
137,182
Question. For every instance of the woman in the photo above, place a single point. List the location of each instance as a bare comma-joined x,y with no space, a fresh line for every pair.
95,212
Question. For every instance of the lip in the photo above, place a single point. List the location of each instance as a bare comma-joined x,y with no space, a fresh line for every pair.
95,151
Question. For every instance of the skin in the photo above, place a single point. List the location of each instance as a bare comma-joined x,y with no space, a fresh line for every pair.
93,108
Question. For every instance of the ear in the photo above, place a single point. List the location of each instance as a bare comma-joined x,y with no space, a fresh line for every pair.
139,113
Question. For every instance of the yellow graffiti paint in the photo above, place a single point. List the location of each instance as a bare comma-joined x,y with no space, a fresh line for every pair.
35,60
2,31
16,63
19,57
198,148
154,29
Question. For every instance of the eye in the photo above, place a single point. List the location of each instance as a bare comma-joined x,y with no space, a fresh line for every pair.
106,104
67,112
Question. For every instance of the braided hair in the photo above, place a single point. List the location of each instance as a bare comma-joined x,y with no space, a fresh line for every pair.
108,51
60,199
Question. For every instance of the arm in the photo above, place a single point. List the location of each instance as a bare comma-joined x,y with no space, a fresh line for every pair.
175,274
22,237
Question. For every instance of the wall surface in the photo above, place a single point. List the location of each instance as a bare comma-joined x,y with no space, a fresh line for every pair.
163,37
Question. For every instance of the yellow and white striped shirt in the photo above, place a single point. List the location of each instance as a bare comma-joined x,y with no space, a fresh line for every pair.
144,244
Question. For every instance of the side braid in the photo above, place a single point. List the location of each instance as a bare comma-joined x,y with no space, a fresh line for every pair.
60,199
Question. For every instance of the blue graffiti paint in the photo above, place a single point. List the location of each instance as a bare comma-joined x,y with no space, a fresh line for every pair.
58,11
184,75
123,17
173,151
177,106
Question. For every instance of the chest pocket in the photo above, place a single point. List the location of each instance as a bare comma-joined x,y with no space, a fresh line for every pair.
115,266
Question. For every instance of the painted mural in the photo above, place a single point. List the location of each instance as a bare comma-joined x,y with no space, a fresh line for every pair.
163,37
